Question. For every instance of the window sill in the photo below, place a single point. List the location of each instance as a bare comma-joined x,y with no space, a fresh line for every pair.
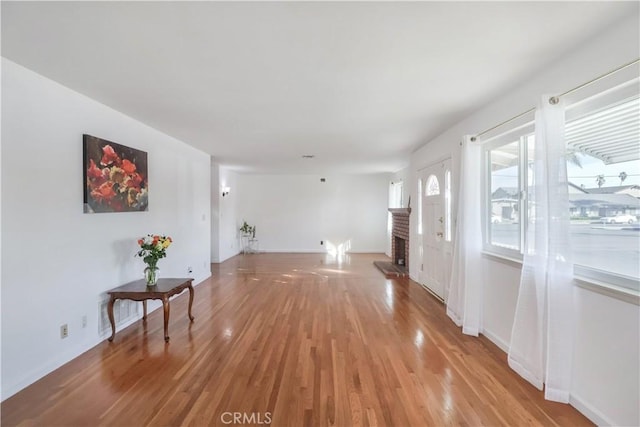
623,294
603,288
504,259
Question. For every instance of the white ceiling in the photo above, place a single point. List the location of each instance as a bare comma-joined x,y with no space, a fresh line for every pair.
257,85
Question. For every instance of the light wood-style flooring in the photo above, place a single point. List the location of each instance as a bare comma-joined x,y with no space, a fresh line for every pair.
298,340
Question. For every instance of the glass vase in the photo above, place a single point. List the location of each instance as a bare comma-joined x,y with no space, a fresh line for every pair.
151,275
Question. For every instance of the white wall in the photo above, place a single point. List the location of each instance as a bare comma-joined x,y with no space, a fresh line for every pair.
606,366
57,261
401,175
228,243
606,371
1,392
216,195
293,213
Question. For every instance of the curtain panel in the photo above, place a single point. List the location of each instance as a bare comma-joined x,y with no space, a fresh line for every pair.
464,300
541,342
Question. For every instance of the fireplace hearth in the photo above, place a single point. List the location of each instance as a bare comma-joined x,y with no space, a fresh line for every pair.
399,267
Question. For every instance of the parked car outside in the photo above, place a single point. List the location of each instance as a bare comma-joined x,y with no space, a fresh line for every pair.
619,219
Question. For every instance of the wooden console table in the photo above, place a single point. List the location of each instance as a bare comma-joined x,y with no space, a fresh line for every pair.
139,291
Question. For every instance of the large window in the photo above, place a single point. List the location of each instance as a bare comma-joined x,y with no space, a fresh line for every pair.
420,207
447,206
395,195
603,169
504,223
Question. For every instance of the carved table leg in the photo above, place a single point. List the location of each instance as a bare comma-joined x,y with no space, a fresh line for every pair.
190,301
111,319
144,310
165,304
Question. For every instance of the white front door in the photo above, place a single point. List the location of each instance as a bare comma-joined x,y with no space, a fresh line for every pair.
436,227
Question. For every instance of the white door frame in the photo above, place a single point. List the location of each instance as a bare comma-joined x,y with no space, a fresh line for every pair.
435,244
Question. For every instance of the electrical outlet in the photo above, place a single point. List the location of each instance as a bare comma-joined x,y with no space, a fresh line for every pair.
189,270
84,321
64,331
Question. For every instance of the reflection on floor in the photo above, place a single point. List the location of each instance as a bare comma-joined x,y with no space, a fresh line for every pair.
291,340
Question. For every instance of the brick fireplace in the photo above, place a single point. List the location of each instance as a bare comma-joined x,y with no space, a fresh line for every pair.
400,236
399,267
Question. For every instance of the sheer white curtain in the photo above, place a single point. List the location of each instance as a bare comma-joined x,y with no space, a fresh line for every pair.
464,302
541,339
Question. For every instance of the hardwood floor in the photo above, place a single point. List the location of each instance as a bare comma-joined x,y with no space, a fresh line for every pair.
295,339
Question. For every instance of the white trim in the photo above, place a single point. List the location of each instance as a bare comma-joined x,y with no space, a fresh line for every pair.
525,373
505,259
502,344
586,409
623,294
556,395
436,296
630,296
470,331
512,134
441,159
67,356
589,411
314,251
224,259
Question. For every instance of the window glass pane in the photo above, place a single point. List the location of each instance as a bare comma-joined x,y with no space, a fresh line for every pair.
447,205
433,186
504,208
604,208
603,168
395,195
420,207
531,212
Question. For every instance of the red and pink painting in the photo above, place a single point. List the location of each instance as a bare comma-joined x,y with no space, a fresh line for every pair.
115,177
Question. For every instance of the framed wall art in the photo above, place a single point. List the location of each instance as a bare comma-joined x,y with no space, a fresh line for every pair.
115,177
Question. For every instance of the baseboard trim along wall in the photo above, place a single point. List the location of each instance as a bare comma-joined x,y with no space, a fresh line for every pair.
590,412
38,373
502,344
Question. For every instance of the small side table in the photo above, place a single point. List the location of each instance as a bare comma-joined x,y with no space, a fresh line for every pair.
253,246
139,291
249,244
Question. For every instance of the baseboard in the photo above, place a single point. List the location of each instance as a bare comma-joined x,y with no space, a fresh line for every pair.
577,402
67,356
45,369
293,251
312,251
502,345
590,412
198,280
229,257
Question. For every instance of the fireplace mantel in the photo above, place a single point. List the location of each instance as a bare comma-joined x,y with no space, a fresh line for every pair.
400,211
